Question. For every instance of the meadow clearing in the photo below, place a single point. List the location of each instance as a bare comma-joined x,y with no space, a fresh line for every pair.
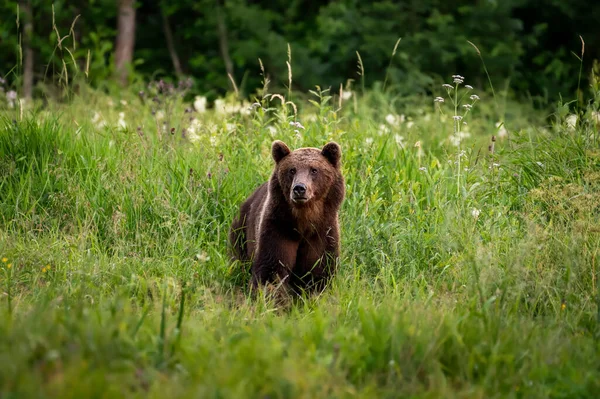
470,246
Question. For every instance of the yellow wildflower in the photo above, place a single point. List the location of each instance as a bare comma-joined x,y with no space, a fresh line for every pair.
4,260
9,266
563,306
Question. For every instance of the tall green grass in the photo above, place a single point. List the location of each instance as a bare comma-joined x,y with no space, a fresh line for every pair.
120,282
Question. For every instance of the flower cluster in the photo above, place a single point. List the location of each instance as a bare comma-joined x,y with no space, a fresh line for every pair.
11,98
200,104
297,126
458,79
456,97
228,107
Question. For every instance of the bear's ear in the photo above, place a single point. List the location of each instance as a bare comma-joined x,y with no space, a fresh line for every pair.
332,152
279,150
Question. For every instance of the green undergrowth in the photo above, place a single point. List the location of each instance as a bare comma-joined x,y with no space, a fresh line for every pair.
465,271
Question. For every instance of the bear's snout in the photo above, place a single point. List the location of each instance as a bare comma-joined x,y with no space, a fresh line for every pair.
299,193
299,190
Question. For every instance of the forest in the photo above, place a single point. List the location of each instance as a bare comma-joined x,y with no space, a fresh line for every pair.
530,47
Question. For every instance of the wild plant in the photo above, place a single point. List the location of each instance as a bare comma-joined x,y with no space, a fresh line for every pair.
462,102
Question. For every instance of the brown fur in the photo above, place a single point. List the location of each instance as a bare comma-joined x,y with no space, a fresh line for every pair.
291,236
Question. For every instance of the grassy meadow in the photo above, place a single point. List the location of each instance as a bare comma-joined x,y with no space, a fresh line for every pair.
469,264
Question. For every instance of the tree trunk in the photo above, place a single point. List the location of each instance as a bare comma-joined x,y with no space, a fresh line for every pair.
171,44
223,41
125,39
27,50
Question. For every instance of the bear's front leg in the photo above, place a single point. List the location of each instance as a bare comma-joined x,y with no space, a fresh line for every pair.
315,265
274,259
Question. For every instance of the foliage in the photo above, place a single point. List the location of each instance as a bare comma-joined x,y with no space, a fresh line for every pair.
521,48
466,271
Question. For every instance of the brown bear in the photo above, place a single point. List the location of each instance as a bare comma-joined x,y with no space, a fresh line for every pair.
288,228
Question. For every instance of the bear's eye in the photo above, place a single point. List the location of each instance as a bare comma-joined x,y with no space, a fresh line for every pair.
293,171
314,171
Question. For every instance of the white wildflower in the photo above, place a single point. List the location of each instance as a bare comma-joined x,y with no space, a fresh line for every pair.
346,95
192,137
202,257
399,140
297,125
195,125
502,132
456,139
571,121
467,106
369,140
457,117
458,79
474,97
438,100
220,106
423,169
11,96
410,124
96,118
272,130
392,119
475,213
123,102
230,127
447,86
469,87
122,124
383,129
245,109
160,115
200,104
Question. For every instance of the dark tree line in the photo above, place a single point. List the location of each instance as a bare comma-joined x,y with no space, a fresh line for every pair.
529,46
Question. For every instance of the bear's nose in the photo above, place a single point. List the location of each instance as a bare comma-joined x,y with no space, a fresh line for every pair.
299,189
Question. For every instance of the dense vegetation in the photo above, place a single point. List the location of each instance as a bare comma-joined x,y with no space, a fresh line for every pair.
470,239
469,265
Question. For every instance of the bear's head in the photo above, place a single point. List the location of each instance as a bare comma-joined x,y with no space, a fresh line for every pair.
307,175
